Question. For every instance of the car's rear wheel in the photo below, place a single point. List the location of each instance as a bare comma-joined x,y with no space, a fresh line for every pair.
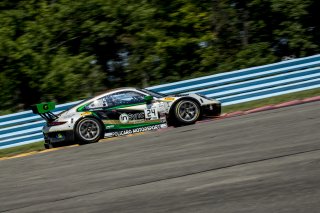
48,146
186,112
88,130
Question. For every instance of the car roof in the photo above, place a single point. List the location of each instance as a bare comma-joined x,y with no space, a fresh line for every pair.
102,95
113,90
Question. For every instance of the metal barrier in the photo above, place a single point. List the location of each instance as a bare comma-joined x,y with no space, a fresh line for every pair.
230,88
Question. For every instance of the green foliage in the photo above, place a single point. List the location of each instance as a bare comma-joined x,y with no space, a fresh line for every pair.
64,50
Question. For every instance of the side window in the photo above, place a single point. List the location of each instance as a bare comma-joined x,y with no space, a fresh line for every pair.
123,98
99,103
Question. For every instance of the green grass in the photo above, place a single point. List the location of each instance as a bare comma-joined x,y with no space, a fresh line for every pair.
38,146
244,106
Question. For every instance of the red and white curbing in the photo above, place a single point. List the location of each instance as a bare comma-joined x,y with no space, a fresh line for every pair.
270,107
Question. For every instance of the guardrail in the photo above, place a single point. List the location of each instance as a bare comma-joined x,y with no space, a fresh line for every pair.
230,88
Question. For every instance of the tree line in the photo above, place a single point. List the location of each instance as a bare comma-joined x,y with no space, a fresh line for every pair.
65,50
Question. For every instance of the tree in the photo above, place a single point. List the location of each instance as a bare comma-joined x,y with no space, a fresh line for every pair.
82,47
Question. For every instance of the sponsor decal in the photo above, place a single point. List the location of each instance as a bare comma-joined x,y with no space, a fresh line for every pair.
146,128
86,113
161,106
109,126
124,118
45,107
68,116
169,99
136,116
140,121
136,130
96,109
164,106
59,136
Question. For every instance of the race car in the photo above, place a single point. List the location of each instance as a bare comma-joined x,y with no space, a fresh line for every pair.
120,112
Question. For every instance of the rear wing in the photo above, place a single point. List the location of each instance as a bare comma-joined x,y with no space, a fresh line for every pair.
44,110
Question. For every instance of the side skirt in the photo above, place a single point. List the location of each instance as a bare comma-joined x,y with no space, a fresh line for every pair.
134,130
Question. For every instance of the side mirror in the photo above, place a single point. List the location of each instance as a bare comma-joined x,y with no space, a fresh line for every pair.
148,99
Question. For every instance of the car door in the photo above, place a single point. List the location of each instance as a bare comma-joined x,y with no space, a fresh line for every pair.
125,111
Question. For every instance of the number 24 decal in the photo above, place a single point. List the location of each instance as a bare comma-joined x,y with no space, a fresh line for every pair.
151,113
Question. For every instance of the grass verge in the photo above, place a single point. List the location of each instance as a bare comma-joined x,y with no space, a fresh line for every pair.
237,107
9,152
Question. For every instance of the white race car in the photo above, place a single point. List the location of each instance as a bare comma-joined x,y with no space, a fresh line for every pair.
120,112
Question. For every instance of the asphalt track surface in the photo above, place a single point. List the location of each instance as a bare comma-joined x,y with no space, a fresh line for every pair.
262,162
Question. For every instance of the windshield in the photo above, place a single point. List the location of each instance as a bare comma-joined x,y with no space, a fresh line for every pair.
153,93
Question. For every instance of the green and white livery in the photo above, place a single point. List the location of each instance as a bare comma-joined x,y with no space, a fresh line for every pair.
120,112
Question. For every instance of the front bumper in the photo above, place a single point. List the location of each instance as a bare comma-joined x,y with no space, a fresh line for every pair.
211,109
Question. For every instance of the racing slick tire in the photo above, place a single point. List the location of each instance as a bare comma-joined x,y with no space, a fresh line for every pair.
88,130
185,112
48,146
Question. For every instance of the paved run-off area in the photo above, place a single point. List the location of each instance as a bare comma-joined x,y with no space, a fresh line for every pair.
262,162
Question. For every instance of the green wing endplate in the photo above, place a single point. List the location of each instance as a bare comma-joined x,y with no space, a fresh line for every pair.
43,108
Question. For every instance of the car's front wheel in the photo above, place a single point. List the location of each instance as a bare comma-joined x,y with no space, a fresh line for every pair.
186,112
88,130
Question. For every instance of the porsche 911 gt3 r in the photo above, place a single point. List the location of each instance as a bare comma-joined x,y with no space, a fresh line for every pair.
120,112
